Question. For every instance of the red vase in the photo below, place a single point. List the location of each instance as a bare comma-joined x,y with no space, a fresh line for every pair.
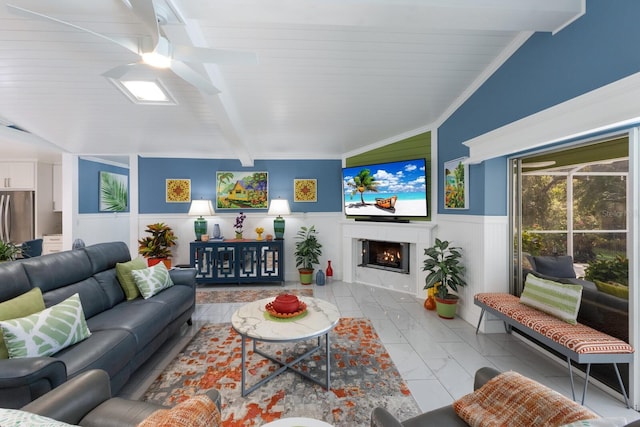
329,273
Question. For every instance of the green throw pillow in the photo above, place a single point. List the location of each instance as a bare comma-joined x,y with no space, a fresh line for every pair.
152,280
47,332
615,289
557,299
18,418
20,306
123,272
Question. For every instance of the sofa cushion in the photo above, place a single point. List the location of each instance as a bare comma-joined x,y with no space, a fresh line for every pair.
57,270
615,289
20,306
46,332
512,399
123,271
197,411
557,299
18,418
105,256
152,280
555,266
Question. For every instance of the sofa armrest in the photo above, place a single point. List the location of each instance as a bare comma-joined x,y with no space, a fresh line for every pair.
71,401
25,379
183,276
483,375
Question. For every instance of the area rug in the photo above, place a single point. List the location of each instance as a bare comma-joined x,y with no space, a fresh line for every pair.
363,376
214,296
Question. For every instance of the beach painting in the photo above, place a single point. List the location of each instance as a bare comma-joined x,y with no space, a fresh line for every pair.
396,189
456,185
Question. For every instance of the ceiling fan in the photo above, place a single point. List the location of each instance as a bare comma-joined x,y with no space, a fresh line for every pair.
155,50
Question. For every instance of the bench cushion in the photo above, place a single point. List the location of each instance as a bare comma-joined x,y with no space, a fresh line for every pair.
579,338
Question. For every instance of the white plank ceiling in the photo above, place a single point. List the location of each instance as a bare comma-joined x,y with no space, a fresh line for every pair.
333,76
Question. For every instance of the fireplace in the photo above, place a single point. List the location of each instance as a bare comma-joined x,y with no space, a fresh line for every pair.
390,256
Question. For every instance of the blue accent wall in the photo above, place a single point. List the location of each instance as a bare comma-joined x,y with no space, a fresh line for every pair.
89,184
597,49
153,173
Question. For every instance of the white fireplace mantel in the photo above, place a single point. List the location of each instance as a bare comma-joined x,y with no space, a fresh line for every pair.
419,234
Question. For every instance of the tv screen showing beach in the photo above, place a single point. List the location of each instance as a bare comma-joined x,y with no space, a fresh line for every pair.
397,189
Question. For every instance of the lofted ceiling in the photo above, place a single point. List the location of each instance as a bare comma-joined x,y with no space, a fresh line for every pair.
332,76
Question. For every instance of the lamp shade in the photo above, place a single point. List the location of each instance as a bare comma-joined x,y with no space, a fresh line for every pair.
200,208
279,207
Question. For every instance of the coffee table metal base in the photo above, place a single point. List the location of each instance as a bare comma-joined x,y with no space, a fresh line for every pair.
286,365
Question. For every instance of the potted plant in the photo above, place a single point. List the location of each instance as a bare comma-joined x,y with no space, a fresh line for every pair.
308,251
445,273
9,251
157,247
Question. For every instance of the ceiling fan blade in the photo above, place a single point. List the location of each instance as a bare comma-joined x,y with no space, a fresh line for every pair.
118,72
126,43
217,56
146,12
192,77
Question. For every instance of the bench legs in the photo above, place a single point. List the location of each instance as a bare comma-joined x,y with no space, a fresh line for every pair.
586,382
507,327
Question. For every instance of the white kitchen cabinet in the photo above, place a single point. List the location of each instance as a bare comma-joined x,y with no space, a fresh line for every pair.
17,175
57,188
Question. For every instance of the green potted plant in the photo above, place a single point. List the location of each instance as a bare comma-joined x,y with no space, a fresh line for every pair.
157,247
9,251
308,251
445,273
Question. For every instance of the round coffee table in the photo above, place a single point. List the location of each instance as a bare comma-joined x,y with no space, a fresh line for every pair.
297,422
252,321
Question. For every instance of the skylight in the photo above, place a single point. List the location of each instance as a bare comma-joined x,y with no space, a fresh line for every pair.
150,92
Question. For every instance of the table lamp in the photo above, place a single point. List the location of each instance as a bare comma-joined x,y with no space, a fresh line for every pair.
200,208
279,207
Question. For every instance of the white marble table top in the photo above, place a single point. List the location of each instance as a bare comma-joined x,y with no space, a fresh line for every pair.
297,422
249,320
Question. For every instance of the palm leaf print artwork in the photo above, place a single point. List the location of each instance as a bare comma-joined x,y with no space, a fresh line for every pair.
114,192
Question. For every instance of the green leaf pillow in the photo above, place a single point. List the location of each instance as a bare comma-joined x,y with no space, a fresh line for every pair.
46,332
16,418
123,272
152,280
23,305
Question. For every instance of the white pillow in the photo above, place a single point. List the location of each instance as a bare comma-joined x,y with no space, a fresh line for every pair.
18,418
557,299
152,280
46,332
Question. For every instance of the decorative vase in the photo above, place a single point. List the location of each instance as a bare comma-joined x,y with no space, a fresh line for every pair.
320,278
153,261
259,236
329,273
430,302
216,231
306,275
239,235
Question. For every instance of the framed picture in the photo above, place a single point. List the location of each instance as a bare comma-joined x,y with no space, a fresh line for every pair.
305,190
456,184
242,190
178,190
114,192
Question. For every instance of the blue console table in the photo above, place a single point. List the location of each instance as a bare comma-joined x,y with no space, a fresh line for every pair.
238,261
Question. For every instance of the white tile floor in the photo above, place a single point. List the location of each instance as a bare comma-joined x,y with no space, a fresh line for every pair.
436,357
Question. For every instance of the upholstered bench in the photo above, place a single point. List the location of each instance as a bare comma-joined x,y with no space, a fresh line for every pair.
578,342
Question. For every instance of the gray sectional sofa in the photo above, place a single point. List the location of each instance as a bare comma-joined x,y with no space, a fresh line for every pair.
124,334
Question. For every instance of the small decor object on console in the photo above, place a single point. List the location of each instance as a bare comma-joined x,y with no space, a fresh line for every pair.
259,231
239,224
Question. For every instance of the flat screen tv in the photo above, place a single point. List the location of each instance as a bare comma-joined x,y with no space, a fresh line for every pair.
392,190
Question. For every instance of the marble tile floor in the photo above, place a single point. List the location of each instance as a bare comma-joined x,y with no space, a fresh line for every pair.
436,357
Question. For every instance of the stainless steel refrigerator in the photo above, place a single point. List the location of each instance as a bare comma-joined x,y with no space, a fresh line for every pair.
17,216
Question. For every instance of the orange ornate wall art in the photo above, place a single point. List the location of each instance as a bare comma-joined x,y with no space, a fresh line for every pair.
178,190
305,190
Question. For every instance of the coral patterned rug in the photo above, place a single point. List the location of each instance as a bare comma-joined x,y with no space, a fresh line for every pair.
213,296
363,376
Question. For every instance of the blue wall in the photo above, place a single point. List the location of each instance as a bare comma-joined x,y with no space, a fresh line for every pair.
152,173
597,49
89,184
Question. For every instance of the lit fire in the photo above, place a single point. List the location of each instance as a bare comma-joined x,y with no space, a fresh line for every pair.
388,258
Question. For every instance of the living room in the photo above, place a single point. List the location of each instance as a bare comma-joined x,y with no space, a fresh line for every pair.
580,83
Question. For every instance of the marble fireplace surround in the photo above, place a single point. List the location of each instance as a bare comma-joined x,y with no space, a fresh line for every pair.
418,234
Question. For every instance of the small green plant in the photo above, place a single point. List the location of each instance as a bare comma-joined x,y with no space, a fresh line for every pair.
609,270
308,248
159,244
9,251
444,267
